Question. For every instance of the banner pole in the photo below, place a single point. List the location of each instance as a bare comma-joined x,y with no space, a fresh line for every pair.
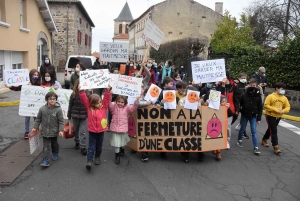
144,59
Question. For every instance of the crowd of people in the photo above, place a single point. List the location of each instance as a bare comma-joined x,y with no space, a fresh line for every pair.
88,108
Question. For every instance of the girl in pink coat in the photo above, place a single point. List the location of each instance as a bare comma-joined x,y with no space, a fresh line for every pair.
119,124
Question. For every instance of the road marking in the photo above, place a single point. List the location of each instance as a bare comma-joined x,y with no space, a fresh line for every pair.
290,127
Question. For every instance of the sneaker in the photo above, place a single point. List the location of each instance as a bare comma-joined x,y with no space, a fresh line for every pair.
54,156
89,164
83,151
245,136
97,161
45,163
77,146
239,143
145,157
228,145
256,151
26,135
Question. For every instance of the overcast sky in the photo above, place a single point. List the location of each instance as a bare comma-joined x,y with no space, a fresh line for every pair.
104,12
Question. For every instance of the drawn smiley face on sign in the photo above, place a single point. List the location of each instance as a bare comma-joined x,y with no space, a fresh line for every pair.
192,97
214,127
154,92
169,97
131,127
214,96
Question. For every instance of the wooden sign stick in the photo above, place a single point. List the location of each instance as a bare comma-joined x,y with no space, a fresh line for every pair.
145,59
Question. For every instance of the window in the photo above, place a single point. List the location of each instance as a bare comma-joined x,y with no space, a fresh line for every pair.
86,43
120,28
1,72
87,25
17,66
90,41
23,14
80,20
79,37
126,29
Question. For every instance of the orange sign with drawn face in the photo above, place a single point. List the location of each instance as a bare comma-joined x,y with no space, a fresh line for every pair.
154,92
169,97
192,97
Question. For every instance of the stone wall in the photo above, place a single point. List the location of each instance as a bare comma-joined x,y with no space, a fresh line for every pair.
292,96
59,13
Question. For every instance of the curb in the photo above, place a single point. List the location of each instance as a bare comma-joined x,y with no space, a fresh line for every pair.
12,103
288,117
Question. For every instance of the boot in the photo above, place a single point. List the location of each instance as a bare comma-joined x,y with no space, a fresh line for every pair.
122,151
277,150
218,155
264,142
89,164
117,158
97,160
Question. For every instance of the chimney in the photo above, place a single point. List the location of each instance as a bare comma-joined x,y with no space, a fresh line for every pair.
219,7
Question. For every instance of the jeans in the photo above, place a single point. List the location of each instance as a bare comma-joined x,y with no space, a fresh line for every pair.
253,122
49,143
272,129
229,129
27,123
95,145
80,128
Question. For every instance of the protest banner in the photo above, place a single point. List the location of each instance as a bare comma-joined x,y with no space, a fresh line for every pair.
33,97
114,52
34,141
208,71
152,34
126,85
94,79
16,77
181,130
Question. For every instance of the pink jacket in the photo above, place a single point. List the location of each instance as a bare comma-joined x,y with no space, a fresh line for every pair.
97,120
119,122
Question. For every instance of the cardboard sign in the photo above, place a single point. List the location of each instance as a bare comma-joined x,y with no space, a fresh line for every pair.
126,85
180,130
34,141
16,77
33,97
192,100
170,99
152,34
94,79
208,71
114,52
153,93
214,99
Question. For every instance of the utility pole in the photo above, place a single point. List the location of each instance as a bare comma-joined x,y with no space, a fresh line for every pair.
285,34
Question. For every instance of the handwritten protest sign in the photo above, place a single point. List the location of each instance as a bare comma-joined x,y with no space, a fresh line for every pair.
94,79
179,130
208,71
114,52
34,141
33,97
16,77
126,85
152,34
214,99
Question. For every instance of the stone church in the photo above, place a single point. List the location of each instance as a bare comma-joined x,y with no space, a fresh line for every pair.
177,19
121,25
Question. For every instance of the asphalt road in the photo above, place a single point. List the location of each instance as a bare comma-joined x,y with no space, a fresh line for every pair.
240,175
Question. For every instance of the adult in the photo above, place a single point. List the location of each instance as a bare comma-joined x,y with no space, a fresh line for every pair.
151,68
261,77
167,70
98,64
79,67
132,68
47,67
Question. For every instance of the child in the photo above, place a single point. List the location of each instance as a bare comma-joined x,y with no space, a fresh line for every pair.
119,124
181,90
49,81
97,123
78,114
34,77
50,116
223,102
251,110
276,104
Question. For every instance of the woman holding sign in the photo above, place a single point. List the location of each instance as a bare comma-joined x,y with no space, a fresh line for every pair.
47,67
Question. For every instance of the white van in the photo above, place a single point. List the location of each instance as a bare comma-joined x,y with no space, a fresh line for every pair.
87,61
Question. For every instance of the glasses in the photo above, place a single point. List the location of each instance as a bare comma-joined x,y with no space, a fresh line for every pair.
51,99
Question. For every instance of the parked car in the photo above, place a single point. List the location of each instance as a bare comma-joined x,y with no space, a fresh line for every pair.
87,61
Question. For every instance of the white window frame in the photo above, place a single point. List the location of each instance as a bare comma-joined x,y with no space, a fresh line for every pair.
16,66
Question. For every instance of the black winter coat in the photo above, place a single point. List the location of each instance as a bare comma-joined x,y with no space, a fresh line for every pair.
76,109
251,105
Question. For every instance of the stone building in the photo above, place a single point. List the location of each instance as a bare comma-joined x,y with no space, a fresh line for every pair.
177,19
74,27
121,25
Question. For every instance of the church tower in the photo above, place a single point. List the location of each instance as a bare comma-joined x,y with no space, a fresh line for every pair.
121,25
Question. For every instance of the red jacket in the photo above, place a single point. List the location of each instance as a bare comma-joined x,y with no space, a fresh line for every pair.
228,91
97,120
131,71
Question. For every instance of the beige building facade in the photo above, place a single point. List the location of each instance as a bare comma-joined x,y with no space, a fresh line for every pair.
177,19
26,28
